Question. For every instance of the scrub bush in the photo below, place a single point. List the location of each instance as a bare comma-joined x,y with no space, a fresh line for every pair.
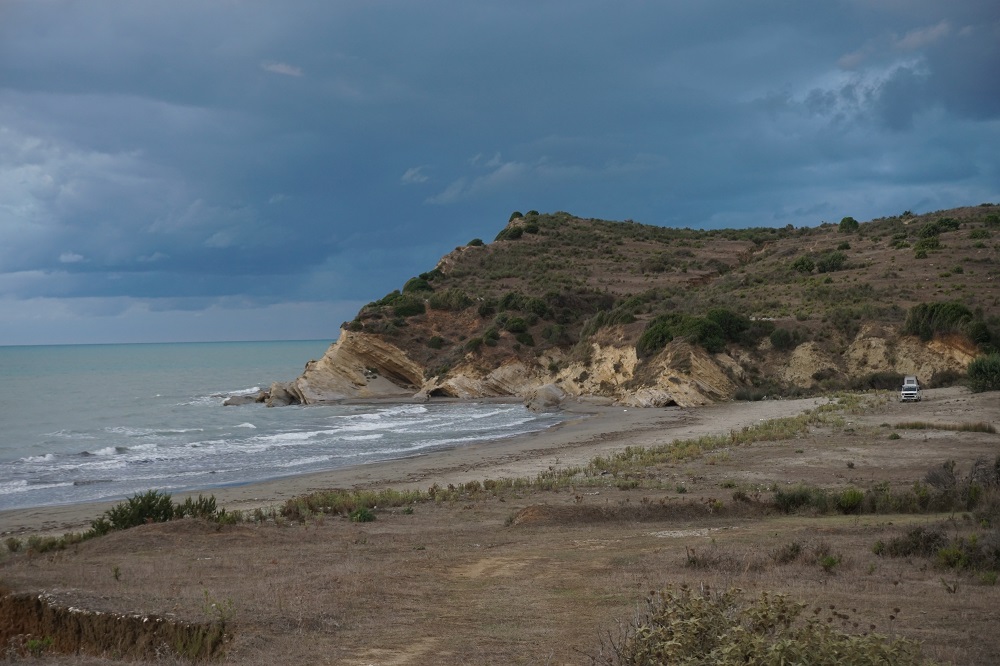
984,373
695,628
142,508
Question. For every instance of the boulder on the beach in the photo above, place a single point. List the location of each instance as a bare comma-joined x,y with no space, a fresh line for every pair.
547,397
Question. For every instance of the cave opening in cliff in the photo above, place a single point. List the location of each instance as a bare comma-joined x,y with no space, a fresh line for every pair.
440,392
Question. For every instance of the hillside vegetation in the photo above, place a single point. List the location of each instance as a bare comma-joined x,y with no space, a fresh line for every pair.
550,287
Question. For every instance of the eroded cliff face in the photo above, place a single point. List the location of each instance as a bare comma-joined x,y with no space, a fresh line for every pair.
362,365
878,349
358,365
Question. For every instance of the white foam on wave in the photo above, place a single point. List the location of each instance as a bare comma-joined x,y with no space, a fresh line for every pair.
41,458
22,486
109,451
102,463
361,438
70,434
403,409
295,436
130,432
247,425
304,461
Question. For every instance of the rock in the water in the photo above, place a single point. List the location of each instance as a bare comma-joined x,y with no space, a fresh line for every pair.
283,394
234,400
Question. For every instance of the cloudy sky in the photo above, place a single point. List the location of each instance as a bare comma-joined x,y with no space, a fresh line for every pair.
229,170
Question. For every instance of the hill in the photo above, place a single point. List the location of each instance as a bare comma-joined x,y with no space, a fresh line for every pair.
560,305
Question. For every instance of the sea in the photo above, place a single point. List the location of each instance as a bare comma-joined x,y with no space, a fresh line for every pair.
84,423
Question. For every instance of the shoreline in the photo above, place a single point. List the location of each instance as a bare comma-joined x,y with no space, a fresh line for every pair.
592,429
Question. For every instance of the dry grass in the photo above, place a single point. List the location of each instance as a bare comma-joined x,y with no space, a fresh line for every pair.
532,576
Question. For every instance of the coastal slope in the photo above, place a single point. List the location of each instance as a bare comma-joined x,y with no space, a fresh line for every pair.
559,305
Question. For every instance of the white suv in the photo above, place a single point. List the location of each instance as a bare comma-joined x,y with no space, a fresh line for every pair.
910,391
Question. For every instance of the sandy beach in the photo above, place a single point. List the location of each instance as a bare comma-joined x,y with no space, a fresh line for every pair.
593,429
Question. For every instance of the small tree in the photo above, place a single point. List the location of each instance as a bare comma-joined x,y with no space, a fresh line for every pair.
848,225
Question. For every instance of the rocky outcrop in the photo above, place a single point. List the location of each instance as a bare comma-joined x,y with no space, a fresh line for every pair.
358,365
363,365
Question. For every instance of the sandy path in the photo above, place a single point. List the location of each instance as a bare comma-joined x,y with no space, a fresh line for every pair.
597,430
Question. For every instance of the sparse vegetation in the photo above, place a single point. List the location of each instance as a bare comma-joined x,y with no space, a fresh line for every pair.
694,627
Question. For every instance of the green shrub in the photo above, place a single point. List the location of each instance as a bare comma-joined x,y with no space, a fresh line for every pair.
409,307
515,215
435,342
203,507
979,233
733,325
791,499
140,509
922,541
848,225
849,500
525,339
475,242
515,325
362,515
929,319
803,264
657,335
782,339
984,373
417,284
510,233
831,261
487,308
451,300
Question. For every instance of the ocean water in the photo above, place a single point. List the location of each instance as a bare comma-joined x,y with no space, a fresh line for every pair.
96,422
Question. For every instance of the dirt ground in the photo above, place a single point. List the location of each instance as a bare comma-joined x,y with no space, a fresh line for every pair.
540,577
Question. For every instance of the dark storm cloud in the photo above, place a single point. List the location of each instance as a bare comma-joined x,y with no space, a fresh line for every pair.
225,157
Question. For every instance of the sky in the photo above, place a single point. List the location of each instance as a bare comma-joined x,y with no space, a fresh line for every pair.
202,170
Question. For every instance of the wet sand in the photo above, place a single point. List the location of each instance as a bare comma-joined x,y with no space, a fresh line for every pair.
593,429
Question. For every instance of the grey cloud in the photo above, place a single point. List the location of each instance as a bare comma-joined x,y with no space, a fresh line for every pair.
248,153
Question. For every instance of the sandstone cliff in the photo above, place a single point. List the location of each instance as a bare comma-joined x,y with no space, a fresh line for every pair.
361,365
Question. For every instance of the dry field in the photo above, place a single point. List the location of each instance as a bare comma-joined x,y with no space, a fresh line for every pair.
540,577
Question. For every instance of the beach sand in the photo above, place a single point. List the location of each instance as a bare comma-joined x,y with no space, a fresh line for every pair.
593,429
